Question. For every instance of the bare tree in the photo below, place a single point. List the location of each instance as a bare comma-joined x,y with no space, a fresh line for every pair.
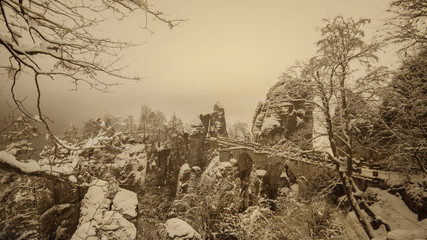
145,119
130,123
403,110
401,129
408,25
56,39
239,130
159,122
343,81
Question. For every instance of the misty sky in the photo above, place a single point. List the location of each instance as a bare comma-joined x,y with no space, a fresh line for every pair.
227,51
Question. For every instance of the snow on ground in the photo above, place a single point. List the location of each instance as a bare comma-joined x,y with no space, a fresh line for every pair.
392,209
403,222
99,219
179,229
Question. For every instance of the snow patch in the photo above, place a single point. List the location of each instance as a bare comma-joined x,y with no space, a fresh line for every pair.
269,124
261,173
395,211
72,178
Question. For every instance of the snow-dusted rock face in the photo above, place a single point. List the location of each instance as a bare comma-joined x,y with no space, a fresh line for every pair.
130,166
180,230
125,202
217,170
196,143
282,116
35,207
208,125
103,212
214,123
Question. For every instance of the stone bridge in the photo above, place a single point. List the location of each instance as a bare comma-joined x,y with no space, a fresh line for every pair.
293,165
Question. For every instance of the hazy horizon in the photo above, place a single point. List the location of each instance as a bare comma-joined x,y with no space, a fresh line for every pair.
227,51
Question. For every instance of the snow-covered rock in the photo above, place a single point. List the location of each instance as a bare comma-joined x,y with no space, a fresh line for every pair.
196,169
294,193
184,172
179,229
72,178
28,167
394,210
283,114
269,124
224,165
130,166
402,234
104,218
125,202
209,176
261,173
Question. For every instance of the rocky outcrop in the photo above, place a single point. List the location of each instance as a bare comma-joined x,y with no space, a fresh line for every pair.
130,166
214,123
36,207
107,212
207,125
196,144
284,115
189,179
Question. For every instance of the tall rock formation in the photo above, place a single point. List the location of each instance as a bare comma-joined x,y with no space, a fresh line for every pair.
208,125
214,123
284,115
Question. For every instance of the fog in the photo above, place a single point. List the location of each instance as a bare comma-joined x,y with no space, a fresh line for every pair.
227,51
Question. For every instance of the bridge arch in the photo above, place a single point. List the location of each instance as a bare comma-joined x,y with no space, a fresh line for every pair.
245,164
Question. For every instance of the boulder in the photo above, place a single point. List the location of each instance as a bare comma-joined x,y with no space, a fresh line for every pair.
125,202
180,230
103,212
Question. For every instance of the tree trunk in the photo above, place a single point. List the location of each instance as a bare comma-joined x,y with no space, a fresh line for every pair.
354,204
419,161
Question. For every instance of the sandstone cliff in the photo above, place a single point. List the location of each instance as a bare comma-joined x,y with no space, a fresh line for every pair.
214,123
284,115
208,125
